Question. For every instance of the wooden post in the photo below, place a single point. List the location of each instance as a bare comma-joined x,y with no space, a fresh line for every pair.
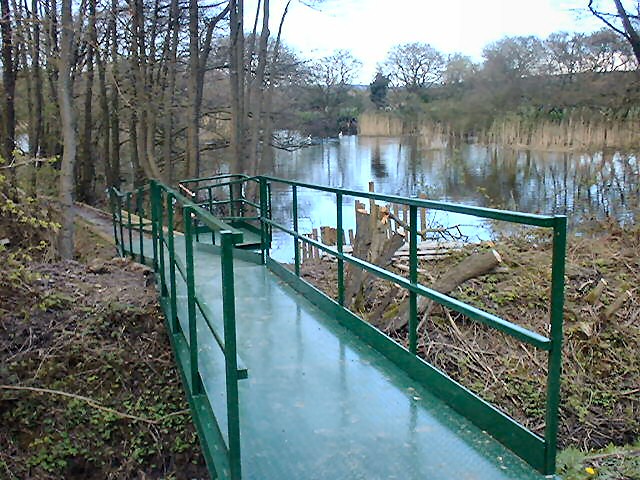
396,213
315,253
423,215
371,201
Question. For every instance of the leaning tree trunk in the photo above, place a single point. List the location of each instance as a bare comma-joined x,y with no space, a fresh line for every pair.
472,266
67,180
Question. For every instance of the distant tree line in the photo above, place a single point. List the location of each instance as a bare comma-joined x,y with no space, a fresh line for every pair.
119,91
419,66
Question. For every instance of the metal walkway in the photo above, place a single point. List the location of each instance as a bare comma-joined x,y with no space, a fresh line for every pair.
318,400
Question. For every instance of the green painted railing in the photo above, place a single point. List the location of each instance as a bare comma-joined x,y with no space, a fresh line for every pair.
223,205
538,451
162,203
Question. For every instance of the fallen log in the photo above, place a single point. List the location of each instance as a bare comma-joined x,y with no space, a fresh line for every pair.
471,267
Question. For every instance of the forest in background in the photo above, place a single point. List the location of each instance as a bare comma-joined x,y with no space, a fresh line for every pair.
156,87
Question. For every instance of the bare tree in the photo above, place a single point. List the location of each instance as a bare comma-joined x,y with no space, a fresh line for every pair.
513,57
565,53
198,57
607,52
458,69
86,171
621,20
414,65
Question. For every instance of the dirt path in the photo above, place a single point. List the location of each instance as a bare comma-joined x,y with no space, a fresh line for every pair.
99,220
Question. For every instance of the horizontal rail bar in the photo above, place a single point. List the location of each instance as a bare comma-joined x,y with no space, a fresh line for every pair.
245,179
233,219
214,177
225,202
207,314
211,221
546,221
516,331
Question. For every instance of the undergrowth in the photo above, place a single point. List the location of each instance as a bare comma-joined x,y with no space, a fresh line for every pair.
88,388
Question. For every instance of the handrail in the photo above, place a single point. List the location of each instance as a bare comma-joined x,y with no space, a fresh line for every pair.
543,459
215,177
483,212
516,331
162,202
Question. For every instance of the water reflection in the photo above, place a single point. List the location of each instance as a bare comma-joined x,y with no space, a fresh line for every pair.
584,186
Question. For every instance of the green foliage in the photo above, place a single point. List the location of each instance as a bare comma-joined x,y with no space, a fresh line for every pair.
609,463
378,90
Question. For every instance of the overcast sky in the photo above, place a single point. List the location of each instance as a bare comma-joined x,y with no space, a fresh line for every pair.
369,28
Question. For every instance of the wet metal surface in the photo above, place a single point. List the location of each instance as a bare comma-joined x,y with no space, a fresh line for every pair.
321,404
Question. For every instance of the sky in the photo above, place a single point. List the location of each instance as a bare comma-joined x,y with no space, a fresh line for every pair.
369,28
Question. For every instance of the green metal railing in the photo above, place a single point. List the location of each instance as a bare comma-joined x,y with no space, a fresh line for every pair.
230,198
163,203
217,192
539,452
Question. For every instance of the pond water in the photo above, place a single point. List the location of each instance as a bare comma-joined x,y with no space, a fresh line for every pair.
585,186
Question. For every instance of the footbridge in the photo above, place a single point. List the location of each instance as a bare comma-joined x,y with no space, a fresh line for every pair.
285,382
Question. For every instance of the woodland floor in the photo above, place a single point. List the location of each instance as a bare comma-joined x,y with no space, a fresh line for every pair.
100,396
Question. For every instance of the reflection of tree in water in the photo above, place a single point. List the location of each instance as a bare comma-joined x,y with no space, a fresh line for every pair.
585,186
378,166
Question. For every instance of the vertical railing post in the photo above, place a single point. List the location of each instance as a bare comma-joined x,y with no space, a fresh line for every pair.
154,222
413,278
121,226
230,353
194,200
196,383
242,198
263,216
554,364
173,302
269,230
130,225
210,195
232,203
163,282
140,210
296,241
339,232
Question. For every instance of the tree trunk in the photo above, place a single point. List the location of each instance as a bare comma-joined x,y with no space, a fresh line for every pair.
193,110
53,51
9,83
38,128
237,79
114,118
104,122
85,188
632,35
257,95
267,127
167,121
68,133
